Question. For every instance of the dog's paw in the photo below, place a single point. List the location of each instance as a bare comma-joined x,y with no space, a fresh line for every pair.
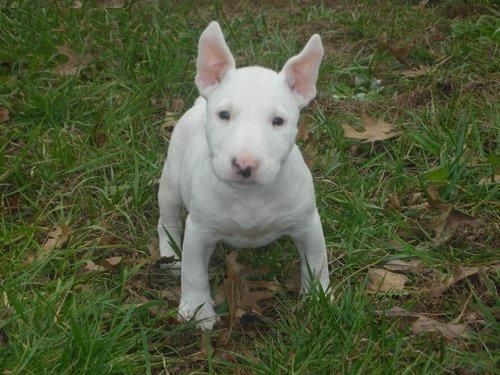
202,311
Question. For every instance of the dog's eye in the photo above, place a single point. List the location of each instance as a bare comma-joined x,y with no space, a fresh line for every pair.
278,121
224,115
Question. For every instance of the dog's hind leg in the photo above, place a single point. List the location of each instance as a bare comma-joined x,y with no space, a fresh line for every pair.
169,223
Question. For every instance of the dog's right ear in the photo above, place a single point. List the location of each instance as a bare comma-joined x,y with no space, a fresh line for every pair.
214,59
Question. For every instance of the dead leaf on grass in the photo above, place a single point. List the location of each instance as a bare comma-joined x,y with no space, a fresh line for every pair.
57,238
304,127
449,330
177,105
168,125
422,70
459,273
420,323
114,261
447,224
401,53
375,130
243,295
75,64
394,200
90,266
397,265
154,252
4,114
383,281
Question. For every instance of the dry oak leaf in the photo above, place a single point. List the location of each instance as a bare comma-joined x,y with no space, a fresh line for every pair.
375,130
240,293
4,114
459,273
422,324
383,281
57,238
449,221
75,64
412,266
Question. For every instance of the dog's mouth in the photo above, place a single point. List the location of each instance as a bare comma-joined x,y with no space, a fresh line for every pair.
241,182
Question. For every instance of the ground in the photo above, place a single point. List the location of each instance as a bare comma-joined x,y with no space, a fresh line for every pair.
88,99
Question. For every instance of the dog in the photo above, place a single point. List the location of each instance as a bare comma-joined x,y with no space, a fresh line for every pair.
233,163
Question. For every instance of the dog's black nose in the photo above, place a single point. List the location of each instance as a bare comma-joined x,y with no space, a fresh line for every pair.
242,169
247,172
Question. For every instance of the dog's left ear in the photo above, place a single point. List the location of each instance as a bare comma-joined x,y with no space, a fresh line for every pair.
214,59
301,71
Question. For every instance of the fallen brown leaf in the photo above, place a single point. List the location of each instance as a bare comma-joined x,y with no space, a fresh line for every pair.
449,330
154,252
448,222
375,130
113,261
241,296
91,266
383,281
57,238
394,200
400,53
177,105
459,273
75,64
412,266
4,114
304,128
168,125
421,324
171,292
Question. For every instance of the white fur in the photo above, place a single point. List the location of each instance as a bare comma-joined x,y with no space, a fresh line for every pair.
207,157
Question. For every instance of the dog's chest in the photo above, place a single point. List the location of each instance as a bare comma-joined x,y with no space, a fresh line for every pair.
251,221
253,225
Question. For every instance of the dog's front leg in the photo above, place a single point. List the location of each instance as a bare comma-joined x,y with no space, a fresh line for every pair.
196,300
310,243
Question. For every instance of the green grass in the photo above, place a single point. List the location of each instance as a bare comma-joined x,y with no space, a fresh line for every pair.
87,152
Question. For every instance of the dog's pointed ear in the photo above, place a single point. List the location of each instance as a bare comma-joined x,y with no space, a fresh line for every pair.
301,71
214,59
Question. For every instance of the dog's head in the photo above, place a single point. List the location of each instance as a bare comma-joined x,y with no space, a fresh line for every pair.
252,112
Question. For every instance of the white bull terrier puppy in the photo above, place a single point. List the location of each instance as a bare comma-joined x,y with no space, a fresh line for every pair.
232,161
